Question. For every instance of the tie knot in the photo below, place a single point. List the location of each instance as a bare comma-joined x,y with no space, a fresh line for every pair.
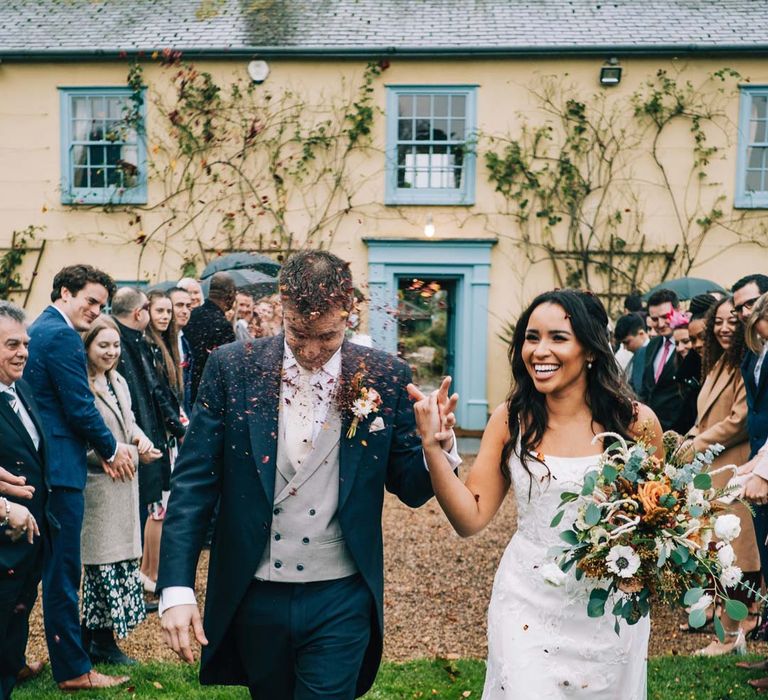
9,394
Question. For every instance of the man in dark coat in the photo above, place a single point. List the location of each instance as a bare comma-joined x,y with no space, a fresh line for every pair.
58,375
151,405
208,327
659,390
294,605
26,530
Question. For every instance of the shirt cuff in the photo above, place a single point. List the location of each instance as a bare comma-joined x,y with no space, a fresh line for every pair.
175,595
761,466
453,456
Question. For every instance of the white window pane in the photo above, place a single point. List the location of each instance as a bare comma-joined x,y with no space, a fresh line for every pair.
458,130
440,130
405,129
405,105
423,106
754,182
81,108
116,107
99,107
429,170
441,106
79,155
756,158
422,129
458,105
759,107
130,155
757,131
80,129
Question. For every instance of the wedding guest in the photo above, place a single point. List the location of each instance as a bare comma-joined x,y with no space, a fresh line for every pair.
193,288
566,387
113,600
208,327
294,598
722,419
161,337
746,292
58,375
182,308
130,310
687,376
697,326
630,332
24,528
244,302
270,315
659,390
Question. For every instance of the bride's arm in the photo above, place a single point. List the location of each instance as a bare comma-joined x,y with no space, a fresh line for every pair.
647,426
469,506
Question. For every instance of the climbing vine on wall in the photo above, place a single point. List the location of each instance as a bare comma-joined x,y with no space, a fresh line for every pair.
242,166
570,185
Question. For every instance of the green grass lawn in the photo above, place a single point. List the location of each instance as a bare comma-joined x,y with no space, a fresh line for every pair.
670,678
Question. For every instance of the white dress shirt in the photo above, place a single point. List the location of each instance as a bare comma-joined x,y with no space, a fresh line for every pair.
323,383
20,410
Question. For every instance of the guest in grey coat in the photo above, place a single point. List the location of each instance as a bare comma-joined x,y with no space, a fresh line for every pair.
113,600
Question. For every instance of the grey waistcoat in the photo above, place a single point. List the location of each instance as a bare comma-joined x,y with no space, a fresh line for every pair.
306,543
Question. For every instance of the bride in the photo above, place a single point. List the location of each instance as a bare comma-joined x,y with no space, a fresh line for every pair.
566,389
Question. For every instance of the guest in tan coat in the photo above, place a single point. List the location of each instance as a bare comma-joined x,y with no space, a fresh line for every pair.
722,419
113,600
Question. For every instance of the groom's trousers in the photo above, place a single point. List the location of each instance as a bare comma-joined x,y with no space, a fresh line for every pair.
304,641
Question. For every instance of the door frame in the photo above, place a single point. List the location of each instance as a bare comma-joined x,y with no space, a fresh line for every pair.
468,261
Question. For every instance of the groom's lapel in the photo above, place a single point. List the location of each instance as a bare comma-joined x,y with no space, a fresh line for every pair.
262,397
352,362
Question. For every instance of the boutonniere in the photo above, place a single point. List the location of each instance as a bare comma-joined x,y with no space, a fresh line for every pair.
366,402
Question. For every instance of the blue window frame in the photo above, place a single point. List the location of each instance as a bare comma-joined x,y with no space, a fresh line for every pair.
103,153
430,155
752,161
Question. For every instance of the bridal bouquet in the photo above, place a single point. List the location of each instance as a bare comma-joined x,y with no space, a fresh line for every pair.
643,530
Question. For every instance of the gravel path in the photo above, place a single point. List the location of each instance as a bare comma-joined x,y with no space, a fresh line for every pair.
437,588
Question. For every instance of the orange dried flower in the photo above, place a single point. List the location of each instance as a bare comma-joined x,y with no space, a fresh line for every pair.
650,493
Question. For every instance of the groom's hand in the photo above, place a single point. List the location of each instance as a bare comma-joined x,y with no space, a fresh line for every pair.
175,624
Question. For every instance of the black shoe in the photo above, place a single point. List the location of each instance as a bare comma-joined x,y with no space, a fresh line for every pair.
104,650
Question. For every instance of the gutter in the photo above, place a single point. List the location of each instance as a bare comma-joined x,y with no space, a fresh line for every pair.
373,52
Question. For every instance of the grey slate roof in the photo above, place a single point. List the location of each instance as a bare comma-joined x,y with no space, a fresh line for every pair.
55,28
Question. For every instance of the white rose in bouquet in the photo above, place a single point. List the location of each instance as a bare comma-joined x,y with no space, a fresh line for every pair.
728,527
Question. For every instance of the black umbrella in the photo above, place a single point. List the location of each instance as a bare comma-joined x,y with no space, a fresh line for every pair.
241,261
687,287
246,280
164,286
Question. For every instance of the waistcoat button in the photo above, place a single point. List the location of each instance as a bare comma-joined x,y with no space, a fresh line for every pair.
300,567
305,540
278,564
276,511
277,536
312,511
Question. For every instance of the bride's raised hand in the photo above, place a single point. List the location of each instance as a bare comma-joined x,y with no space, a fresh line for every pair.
427,414
446,405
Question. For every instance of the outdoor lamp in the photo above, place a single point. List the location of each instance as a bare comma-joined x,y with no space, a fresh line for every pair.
429,227
610,72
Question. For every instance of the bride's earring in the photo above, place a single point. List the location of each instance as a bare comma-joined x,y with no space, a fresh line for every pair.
589,365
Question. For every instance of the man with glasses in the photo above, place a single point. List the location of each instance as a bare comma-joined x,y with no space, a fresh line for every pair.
745,293
58,376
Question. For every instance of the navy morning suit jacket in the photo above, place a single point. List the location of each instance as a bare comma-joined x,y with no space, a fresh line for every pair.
58,376
230,452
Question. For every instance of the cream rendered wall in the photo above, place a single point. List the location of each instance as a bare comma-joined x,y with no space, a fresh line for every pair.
30,166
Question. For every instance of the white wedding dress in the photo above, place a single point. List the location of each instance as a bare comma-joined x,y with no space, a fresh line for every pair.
541,643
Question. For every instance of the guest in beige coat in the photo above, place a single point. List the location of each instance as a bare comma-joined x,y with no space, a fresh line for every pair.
722,418
113,599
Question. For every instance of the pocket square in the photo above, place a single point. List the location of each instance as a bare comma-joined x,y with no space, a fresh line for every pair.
376,425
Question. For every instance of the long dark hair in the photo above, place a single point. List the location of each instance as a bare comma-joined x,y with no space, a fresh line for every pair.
713,351
608,395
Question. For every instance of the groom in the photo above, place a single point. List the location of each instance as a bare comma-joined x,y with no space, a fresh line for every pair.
295,585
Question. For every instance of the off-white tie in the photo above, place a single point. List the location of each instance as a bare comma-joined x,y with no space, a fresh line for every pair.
301,419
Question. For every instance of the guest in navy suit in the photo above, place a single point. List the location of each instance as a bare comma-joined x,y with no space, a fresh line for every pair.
746,293
24,530
57,373
294,604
